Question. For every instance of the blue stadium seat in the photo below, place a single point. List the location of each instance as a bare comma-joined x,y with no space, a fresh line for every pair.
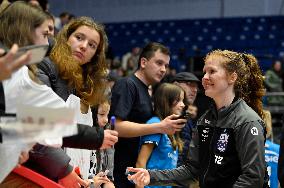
262,36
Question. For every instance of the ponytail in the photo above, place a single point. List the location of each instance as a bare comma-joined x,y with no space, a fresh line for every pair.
254,90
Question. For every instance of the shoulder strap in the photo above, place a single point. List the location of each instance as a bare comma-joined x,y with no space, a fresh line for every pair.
50,70
2,100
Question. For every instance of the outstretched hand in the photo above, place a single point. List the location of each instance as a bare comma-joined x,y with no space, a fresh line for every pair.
141,176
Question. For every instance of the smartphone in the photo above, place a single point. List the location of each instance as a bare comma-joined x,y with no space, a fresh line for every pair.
184,115
127,172
105,173
38,52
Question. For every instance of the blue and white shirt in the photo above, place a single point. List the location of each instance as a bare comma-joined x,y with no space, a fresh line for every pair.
163,155
271,158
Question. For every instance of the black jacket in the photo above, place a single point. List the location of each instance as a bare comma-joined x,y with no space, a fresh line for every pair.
87,137
227,151
54,162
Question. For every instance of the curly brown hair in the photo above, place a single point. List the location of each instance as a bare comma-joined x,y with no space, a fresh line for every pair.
89,79
249,84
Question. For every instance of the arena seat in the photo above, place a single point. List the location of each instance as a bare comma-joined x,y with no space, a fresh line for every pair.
261,36
36,177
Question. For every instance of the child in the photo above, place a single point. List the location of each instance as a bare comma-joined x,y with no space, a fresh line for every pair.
271,152
81,157
160,151
101,164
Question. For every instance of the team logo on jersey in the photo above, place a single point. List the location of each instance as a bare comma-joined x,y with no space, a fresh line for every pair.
254,131
207,121
204,134
222,142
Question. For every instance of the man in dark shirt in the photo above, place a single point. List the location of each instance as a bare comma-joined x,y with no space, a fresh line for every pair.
189,83
131,104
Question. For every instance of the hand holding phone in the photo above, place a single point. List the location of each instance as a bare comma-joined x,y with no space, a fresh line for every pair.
184,115
127,172
9,63
105,173
37,52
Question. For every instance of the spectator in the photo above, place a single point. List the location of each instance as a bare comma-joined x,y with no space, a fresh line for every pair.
131,104
189,83
61,20
160,151
133,55
76,65
71,17
51,27
273,82
229,149
102,160
18,19
271,152
43,4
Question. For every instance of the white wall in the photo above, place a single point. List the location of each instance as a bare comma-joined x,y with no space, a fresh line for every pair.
141,10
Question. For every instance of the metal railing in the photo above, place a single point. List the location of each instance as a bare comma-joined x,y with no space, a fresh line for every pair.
275,108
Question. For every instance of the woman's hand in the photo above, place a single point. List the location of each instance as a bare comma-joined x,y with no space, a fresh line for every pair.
141,176
9,63
99,179
72,180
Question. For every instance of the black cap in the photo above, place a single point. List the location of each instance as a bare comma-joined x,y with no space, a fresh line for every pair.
185,76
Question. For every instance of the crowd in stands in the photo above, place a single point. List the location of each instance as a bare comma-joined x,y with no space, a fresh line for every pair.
139,119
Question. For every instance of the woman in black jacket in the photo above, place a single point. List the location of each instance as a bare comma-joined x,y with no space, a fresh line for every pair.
79,70
76,66
228,149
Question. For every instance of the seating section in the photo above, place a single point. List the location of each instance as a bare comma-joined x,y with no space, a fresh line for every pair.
36,177
261,36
